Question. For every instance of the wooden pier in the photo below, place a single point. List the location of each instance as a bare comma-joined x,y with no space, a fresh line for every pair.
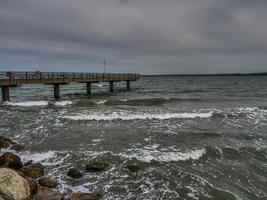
15,79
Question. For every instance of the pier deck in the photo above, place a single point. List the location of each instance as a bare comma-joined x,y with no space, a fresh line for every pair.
14,79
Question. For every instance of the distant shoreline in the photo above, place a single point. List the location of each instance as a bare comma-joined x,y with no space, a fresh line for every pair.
224,74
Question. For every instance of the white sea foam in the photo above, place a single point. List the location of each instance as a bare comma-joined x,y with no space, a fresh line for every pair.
37,103
37,156
145,155
141,116
100,102
27,103
63,103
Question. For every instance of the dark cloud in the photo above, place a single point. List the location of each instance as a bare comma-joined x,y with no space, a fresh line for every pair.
147,36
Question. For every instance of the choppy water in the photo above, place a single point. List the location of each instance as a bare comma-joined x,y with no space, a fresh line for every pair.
195,137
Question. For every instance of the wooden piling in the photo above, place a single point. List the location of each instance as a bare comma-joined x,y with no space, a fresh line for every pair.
128,85
56,91
5,93
89,88
111,86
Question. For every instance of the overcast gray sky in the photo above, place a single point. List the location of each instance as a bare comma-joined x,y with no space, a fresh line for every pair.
146,36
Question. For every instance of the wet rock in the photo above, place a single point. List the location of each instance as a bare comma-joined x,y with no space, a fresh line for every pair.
16,147
74,173
43,190
48,182
5,142
134,167
13,186
44,193
32,172
37,165
11,160
85,196
96,166
33,184
28,162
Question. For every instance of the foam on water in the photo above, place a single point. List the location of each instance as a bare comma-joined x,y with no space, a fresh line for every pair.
146,155
37,156
138,116
27,103
63,103
37,103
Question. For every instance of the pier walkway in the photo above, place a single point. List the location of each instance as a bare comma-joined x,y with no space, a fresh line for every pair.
13,79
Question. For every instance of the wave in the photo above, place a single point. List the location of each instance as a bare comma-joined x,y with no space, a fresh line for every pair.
128,102
106,102
37,103
145,155
141,116
243,112
36,157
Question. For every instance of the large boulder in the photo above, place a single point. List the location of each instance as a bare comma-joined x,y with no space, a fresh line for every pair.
74,173
32,183
13,186
44,193
96,166
32,172
85,196
48,182
11,160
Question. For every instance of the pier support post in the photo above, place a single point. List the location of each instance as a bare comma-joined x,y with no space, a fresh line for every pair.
5,93
56,91
128,85
111,86
89,88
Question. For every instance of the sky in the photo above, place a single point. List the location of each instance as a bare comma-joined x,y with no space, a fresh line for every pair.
140,36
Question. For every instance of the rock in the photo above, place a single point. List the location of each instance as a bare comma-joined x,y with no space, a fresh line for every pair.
11,160
1,198
32,172
13,186
134,167
28,162
85,196
44,193
16,147
33,184
48,182
96,166
74,173
5,142
2,138
38,165
43,190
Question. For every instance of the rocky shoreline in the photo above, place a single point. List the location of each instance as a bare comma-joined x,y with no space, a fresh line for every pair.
27,181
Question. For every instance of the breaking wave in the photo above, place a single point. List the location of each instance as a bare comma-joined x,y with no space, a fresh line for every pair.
130,116
146,155
37,103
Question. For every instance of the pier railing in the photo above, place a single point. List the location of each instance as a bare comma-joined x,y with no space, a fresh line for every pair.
18,78
13,79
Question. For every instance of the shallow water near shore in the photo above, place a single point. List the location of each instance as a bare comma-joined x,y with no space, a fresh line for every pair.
195,137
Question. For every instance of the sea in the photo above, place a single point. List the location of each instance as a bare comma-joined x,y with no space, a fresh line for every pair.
194,137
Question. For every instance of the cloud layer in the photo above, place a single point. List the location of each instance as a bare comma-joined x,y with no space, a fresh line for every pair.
146,36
